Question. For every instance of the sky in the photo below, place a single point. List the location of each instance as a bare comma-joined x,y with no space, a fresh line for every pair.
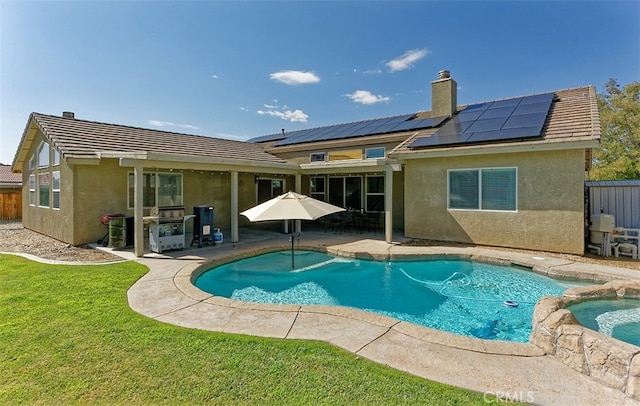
240,69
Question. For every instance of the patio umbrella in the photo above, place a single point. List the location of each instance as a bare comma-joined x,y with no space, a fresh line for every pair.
290,206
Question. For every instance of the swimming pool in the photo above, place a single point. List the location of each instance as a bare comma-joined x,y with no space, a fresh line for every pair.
468,298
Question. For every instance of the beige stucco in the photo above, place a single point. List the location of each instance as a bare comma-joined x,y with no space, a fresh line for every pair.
550,214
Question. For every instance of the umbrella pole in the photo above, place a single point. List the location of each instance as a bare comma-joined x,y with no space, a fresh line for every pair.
292,256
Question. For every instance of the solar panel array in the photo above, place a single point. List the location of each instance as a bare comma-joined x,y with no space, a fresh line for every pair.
404,122
508,119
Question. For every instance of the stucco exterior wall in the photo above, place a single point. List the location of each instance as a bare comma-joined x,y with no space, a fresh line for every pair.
56,223
550,214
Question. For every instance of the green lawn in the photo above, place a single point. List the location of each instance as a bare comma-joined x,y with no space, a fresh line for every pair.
67,336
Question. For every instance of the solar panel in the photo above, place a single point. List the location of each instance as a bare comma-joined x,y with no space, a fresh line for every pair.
347,130
439,140
473,115
506,103
487,125
524,120
477,107
531,108
390,125
505,119
538,98
497,112
502,135
501,120
454,127
269,137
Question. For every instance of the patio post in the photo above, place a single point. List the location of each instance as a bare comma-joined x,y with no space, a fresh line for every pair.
138,204
234,206
388,204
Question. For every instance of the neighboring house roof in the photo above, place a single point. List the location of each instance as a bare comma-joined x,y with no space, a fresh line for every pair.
8,178
75,138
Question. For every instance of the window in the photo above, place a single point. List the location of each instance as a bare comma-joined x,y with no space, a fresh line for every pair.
55,189
371,153
375,193
268,188
32,163
43,155
44,184
56,157
483,189
163,188
317,157
169,189
346,192
32,190
317,188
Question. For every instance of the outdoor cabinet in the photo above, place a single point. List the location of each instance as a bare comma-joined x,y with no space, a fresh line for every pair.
202,225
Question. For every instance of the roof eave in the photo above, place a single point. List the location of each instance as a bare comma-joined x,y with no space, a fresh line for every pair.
527,146
350,166
179,161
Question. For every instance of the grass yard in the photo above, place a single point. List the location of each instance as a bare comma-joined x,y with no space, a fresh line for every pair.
68,336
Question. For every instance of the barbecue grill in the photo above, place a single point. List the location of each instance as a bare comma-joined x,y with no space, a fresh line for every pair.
166,229
105,219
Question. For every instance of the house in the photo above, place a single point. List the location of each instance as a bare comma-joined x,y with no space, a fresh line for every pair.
10,193
506,172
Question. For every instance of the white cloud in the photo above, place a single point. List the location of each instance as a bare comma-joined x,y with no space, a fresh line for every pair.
366,97
215,76
376,71
287,115
244,108
295,77
157,123
406,60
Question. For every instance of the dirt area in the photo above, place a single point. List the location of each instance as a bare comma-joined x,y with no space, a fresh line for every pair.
15,238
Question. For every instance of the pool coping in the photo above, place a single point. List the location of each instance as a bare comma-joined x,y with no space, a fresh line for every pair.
167,294
560,269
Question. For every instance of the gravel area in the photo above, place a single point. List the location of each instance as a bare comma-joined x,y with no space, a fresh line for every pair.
15,238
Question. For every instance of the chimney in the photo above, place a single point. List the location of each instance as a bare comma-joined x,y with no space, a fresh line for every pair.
68,114
443,95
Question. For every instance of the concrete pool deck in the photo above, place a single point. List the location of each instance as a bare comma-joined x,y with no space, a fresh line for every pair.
516,371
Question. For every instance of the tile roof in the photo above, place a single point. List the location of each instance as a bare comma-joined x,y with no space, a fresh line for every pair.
76,138
573,116
7,177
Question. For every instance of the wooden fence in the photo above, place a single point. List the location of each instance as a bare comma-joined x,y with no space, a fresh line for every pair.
11,205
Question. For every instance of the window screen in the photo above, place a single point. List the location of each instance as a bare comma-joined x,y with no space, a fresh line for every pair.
483,189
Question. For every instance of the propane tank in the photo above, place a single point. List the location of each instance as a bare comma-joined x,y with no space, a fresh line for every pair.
217,236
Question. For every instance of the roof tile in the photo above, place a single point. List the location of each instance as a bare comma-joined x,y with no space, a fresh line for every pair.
76,138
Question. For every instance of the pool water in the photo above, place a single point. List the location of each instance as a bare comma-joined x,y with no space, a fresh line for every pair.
617,318
462,297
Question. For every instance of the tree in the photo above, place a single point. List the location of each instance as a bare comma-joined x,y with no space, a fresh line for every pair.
619,154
